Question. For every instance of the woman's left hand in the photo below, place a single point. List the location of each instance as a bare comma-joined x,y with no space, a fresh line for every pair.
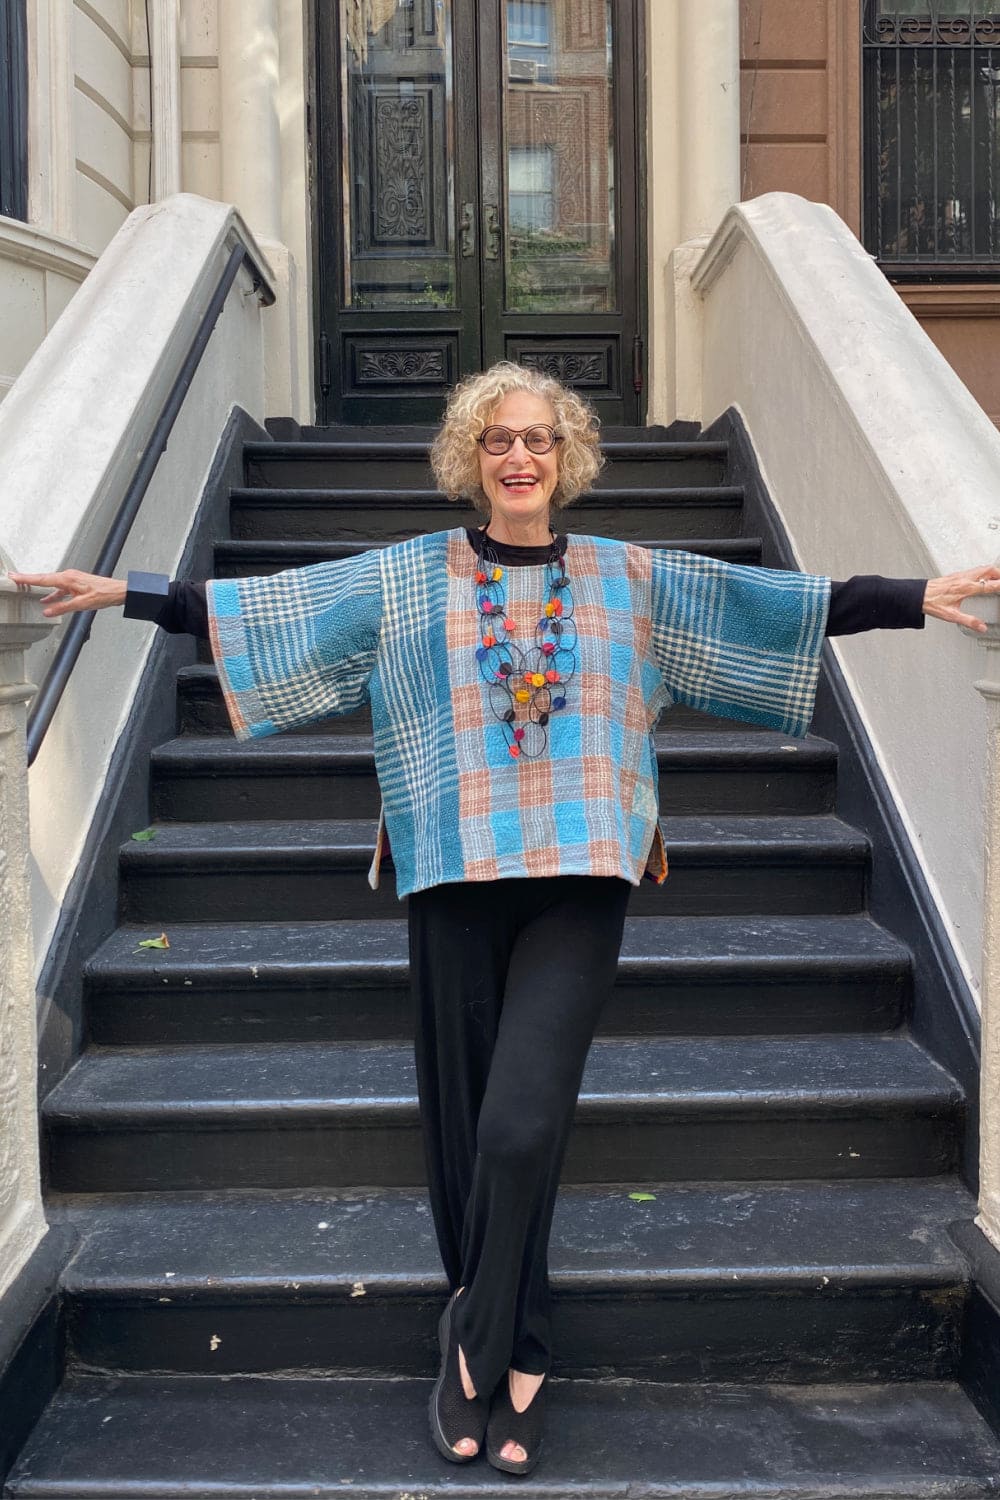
944,597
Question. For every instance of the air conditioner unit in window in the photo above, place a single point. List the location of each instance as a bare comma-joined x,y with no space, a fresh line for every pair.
523,69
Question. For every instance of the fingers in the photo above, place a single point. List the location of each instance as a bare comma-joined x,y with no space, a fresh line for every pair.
40,580
971,622
956,617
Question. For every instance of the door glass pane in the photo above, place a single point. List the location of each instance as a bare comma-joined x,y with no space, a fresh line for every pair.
558,211
398,193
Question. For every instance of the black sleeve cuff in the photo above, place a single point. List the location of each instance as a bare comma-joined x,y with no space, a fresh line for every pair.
870,602
180,607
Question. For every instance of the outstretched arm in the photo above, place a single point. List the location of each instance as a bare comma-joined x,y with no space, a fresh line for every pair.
869,602
179,607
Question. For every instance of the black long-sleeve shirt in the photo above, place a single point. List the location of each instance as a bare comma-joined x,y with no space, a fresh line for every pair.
864,602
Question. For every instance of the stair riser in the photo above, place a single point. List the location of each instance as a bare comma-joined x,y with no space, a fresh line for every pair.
383,471
278,520
328,893
183,796
618,1143
853,1333
332,1013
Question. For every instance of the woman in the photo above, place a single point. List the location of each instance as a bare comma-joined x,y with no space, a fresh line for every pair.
514,676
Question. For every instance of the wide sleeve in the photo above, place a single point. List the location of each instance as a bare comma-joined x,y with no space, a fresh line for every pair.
739,642
296,646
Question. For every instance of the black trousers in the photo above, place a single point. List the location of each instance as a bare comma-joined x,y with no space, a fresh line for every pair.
509,978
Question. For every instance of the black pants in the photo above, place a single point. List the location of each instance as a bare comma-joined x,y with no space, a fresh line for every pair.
509,978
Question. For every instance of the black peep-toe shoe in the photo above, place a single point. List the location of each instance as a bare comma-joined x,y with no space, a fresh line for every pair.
525,1428
453,1415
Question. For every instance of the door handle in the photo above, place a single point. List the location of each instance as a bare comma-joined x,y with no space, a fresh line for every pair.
492,251
467,229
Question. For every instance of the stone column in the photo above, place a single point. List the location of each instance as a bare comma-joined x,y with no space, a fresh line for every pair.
22,1222
988,1218
694,177
709,95
165,73
248,97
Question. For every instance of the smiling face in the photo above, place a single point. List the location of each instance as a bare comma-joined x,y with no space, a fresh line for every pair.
519,485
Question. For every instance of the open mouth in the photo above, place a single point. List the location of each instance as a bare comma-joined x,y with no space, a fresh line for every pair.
520,483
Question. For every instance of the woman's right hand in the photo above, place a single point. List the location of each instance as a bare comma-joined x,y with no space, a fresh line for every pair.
73,591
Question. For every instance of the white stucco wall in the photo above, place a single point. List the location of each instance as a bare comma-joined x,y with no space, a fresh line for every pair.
879,461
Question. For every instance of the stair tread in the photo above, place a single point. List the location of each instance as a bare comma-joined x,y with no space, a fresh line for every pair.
606,1440
750,749
226,951
682,1075
871,1230
216,843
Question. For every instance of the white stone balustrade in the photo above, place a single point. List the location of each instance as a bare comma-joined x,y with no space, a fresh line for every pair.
22,1222
988,1217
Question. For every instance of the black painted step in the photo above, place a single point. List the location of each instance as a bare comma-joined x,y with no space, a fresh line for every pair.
200,710
348,981
315,871
164,1438
254,558
272,514
312,1114
333,464
850,1279
333,776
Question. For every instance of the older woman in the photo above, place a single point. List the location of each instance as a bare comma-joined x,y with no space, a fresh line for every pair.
514,675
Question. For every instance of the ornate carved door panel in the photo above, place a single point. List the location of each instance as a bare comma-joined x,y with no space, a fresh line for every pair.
477,198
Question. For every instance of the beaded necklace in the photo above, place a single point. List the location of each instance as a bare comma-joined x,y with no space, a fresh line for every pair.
526,684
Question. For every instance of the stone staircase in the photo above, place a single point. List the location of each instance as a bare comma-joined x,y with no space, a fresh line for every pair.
252,1308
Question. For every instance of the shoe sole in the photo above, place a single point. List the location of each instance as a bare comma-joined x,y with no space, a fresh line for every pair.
440,1441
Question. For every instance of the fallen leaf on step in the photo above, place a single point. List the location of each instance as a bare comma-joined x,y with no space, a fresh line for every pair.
161,942
144,835
643,1197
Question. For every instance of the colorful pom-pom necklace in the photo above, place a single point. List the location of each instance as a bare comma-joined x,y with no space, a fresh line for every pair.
525,684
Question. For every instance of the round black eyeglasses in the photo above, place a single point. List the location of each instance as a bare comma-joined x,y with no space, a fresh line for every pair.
537,439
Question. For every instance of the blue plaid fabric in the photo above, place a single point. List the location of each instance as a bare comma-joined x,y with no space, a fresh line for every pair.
399,627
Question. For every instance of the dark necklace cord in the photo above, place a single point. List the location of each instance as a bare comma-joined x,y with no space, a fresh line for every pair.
525,684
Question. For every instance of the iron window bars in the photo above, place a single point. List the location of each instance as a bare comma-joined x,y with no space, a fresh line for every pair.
931,138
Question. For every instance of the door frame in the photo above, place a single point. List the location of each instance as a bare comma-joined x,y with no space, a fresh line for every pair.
326,143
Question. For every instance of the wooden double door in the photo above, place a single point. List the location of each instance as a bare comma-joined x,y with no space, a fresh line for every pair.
477,179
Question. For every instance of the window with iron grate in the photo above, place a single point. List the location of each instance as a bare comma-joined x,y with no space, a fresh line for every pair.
932,137
13,109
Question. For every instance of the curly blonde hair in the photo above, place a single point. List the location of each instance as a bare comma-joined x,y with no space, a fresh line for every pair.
455,454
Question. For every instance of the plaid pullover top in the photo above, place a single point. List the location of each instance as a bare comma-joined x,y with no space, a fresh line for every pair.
400,627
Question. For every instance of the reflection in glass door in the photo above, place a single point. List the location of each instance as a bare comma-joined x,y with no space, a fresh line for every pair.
561,277
558,119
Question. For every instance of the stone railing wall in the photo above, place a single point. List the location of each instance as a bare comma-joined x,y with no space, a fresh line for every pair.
22,1223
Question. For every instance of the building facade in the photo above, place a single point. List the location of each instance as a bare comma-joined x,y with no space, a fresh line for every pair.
442,183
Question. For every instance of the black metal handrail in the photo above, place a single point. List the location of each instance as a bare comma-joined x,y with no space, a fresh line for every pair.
77,632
